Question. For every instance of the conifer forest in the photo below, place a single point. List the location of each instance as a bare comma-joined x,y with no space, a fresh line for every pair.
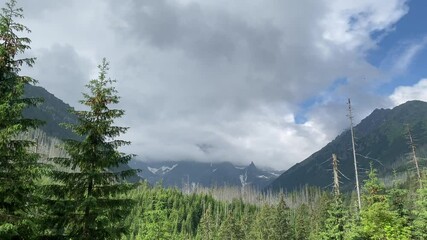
81,192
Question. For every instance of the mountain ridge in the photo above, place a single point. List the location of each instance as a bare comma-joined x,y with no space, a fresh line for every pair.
182,173
380,139
54,112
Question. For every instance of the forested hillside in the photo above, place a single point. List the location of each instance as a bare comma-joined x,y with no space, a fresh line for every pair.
397,212
381,140
52,111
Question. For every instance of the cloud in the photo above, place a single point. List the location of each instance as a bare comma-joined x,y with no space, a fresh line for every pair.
229,75
408,55
352,24
403,55
62,71
403,94
33,9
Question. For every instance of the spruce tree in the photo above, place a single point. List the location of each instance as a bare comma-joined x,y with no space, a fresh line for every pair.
88,200
246,221
334,224
156,224
377,219
18,167
230,229
207,229
282,227
302,224
263,225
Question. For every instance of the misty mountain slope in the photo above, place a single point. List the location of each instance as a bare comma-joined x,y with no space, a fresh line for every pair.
53,111
184,173
381,138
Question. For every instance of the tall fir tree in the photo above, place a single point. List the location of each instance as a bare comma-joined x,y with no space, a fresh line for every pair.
230,228
282,227
334,223
246,221
88,201
156,224
263,225
302,223
18,166
207,228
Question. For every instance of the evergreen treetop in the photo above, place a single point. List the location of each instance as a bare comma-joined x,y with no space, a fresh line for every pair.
19,168
88,201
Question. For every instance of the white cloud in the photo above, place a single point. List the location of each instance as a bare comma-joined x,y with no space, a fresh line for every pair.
407,55
403,94
228,75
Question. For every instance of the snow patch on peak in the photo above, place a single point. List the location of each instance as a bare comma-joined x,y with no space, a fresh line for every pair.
162,170
262,176
166,169
153,170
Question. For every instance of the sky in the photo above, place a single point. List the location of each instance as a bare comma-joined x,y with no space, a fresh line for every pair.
240,81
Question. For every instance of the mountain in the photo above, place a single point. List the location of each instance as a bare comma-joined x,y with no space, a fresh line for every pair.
381,139
53,111
184,173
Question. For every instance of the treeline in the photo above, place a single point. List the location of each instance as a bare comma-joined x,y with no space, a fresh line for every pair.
397,212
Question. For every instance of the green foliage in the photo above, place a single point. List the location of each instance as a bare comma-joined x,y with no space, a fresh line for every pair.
156,224
88,201
302,222
164,213
207,229
398,197
420,222
377,219
18,167
352,223
281,224
318,214
230,229
334,224
263,225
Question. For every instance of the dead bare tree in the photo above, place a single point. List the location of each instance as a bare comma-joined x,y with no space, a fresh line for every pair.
336,176
350,116
414,156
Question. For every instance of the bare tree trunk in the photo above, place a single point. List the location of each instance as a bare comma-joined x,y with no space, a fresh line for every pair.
414,156
336,177
350,116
